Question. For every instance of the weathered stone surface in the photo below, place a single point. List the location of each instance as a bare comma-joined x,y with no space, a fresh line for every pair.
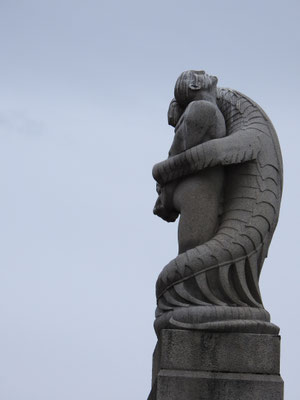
227,352
195,385
194,365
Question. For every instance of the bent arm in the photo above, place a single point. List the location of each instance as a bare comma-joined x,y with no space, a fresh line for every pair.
237,148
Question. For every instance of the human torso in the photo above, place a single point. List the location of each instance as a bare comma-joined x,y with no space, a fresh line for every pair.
198,197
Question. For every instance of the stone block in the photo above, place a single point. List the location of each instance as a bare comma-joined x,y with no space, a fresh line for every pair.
198,385
196,365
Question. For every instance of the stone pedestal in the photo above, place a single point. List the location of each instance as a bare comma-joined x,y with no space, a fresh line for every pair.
197,365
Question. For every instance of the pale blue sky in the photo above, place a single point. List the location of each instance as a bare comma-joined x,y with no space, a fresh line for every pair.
85,87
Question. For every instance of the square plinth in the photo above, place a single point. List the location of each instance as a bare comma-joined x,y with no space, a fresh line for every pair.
195,365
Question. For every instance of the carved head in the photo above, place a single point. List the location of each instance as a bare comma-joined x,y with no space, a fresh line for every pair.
190,83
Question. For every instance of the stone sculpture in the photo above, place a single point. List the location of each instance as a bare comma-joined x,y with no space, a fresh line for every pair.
223,177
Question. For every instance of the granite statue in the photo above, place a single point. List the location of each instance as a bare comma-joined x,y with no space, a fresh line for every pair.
223,179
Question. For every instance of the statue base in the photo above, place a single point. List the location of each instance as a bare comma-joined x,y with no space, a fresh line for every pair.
197,365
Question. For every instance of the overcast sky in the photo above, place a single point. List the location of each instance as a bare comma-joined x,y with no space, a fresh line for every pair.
85,88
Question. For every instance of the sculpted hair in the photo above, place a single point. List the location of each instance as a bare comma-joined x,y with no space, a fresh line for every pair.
190,81
175,111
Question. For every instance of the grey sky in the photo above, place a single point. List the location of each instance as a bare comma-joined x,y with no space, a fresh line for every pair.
85,87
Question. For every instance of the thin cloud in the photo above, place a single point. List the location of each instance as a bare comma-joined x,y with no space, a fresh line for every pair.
17,122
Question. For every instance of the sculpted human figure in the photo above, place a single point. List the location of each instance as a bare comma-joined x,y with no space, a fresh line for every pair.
197,198
224,177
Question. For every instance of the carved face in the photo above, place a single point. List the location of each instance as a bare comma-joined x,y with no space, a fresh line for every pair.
190,83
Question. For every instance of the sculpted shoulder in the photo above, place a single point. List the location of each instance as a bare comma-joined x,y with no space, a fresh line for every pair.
199,109
204,116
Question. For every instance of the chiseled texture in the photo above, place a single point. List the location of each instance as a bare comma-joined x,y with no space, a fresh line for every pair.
193,365
219,279
195,385
217,352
